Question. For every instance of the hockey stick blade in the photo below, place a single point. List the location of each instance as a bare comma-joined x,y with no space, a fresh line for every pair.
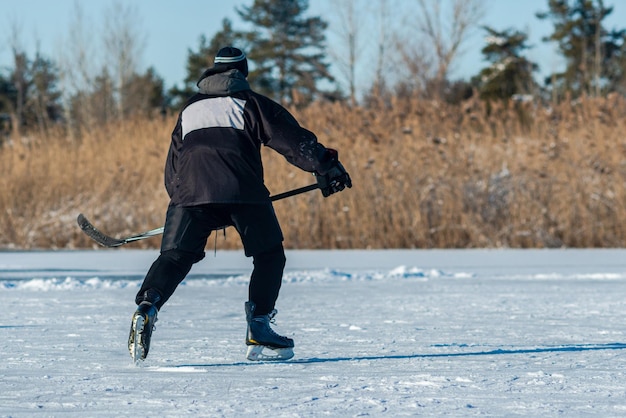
108,241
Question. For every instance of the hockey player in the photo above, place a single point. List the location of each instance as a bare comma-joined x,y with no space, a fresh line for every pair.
214,177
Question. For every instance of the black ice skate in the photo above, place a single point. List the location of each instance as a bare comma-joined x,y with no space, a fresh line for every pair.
142,325
263,343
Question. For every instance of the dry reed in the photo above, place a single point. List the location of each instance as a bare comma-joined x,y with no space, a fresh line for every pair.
426,175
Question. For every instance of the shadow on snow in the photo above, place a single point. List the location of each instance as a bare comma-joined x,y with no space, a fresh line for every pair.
537,350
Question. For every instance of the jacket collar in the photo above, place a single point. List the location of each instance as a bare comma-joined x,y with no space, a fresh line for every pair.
228,82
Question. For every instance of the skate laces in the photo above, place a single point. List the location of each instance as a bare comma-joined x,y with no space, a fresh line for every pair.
271,316
272,320
268,319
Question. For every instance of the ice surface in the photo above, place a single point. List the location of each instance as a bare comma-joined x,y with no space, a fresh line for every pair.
379,333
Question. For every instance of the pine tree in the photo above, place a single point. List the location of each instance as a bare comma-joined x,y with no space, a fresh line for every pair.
30,95
44,97
509,73
594,56
287,50
200,60
7,96
145,94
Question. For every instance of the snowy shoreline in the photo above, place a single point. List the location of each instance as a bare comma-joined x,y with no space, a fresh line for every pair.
227,262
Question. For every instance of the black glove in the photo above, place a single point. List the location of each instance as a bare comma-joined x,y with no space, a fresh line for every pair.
336,179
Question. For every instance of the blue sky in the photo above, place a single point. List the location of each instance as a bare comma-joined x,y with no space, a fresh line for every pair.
172,27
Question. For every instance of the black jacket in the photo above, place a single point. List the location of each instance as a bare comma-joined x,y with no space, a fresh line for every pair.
215,153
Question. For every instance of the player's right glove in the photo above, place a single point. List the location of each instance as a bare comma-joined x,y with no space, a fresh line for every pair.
336,179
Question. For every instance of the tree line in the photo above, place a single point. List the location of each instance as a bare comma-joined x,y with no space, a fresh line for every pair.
290,60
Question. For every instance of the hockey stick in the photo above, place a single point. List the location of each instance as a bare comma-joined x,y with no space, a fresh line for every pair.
109,241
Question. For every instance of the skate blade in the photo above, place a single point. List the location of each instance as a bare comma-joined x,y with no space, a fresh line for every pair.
265,353
136,349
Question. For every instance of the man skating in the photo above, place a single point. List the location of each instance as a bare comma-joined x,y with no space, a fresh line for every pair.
214,177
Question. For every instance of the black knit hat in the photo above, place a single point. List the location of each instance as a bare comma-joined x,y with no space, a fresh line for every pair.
228,58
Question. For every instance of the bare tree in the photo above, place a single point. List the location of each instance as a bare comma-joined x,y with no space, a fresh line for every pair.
348,24
96,79
444,33
447,39
384,35
413,65
123,44
598,52
77,61
364,31
18,78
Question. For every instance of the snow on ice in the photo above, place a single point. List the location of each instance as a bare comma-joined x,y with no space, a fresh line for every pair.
378,333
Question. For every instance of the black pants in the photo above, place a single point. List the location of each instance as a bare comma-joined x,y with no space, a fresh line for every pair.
185,236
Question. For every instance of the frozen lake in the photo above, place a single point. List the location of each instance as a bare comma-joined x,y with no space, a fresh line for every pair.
378,333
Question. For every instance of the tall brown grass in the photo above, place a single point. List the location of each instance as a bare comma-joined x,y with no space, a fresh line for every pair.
425,175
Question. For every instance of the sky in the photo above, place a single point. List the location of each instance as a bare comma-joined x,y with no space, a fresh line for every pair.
171,28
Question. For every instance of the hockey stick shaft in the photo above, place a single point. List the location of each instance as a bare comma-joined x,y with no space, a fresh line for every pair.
294,192
108,241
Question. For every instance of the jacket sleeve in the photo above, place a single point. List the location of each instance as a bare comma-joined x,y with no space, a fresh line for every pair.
171,162
282,133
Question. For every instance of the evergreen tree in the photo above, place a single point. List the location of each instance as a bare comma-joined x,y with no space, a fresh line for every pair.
144,94
102,98
509,73
594,56
44,95
30,94
7,96
200,60
286,48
